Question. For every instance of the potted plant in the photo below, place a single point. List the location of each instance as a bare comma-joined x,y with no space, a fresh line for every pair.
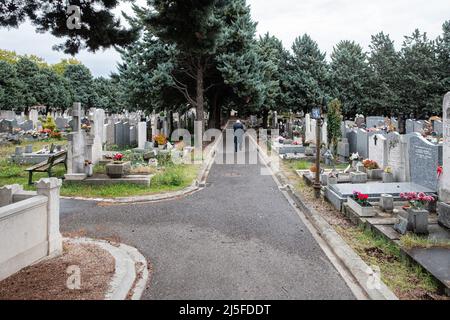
89,168
388,175
373,169
118,168
417,215
359,203
313,171
161,141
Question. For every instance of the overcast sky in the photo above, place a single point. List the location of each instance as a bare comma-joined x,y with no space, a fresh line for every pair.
327,21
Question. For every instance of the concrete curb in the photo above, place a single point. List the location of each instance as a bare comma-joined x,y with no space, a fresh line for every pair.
196,186
362,273
128,260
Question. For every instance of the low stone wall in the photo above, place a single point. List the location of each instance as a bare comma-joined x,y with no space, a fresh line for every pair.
29,225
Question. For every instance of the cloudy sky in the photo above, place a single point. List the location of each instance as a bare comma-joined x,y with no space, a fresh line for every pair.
327,21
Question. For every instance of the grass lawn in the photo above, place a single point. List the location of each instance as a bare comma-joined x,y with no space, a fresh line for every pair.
405,280
170,178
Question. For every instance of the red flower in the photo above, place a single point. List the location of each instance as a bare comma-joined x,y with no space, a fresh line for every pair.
118,157
440,170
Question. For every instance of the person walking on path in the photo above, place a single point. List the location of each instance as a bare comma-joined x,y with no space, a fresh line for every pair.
238,128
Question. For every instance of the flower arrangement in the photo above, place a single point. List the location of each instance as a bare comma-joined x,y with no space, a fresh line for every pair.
313,169
296,143
56,135
417,200
160,139
361,198
87,163
118,157
388,170
370,164
46,131
86,127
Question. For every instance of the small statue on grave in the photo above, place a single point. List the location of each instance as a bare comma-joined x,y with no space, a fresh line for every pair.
329,158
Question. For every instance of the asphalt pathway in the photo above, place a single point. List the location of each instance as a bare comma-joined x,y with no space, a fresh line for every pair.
239,238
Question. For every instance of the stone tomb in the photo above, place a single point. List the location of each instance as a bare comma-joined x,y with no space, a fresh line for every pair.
338,194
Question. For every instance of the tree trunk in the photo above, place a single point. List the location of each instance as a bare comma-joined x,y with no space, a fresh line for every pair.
265,115
218,116
200,98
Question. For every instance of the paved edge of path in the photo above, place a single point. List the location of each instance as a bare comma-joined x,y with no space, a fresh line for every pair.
131,269
351,267
198,184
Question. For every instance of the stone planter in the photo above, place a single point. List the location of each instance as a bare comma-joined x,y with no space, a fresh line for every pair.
161,147
388,177
375,174
418,220
358,177
332,180
359,210
116,170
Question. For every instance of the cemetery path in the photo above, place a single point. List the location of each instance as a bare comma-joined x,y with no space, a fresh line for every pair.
239,238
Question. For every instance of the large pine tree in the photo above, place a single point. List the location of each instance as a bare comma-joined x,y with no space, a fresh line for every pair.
350,77
308,75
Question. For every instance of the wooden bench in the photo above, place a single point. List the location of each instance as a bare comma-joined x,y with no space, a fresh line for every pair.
46,166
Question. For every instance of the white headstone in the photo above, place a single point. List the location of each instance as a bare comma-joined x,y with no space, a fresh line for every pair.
142,134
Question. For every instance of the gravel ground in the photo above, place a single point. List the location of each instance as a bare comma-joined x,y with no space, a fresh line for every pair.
47,280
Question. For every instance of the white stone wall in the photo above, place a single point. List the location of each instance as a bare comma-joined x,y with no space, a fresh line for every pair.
29,229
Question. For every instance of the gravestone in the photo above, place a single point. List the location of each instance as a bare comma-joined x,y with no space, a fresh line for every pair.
352,141
6,126
438,127
444,191
396,156
423,162
61,123
142,134
26,125
409,126
343,150
374,122
119,134
378,150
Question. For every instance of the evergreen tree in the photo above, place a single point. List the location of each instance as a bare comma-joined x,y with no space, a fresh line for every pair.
350,77
420,83
385,64
26,72
10,87
99,28
193,28
308,75
443,47
334,118
81,83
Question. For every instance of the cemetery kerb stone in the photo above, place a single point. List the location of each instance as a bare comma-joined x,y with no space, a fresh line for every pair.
423,162
444,191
